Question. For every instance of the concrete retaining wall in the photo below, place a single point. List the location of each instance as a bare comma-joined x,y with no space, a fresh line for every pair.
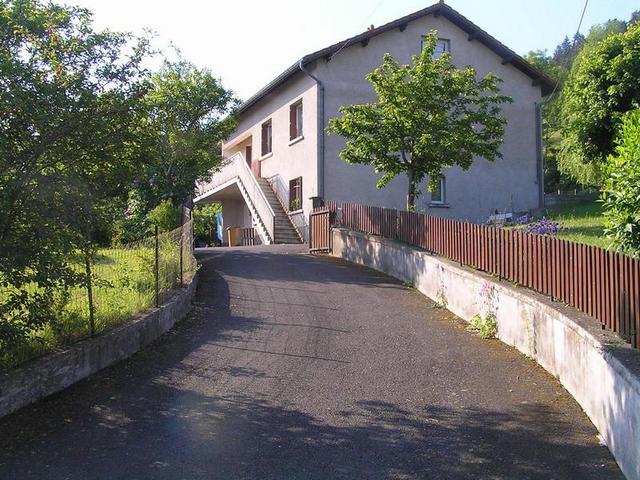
596,367
57,371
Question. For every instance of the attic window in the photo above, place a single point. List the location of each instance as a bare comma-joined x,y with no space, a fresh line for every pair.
442,46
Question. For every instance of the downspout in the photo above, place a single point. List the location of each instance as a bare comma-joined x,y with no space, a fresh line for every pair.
320,121
539,152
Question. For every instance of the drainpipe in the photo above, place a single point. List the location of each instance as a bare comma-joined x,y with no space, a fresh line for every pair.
320,121
539,153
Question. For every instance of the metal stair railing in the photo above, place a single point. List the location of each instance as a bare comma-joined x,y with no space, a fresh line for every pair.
236,169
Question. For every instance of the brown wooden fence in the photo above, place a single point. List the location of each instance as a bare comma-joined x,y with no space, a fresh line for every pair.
600,283
248,236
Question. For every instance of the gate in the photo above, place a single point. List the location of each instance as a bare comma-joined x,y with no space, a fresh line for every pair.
319,231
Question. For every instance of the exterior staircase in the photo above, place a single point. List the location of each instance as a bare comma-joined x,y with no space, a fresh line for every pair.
285,232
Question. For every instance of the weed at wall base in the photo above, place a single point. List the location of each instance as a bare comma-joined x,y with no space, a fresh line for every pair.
486,327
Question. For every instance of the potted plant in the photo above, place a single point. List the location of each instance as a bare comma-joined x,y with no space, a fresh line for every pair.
295,204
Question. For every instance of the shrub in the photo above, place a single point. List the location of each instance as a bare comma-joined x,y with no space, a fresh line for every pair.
602,87
621,191
166,216
204,221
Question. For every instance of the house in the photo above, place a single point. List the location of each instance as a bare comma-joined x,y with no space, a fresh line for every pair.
280,160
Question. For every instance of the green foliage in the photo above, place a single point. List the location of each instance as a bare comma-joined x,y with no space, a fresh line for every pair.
546,63
558,67
124,284
204,221
621,192
486,327
70,99
565,53
555,68
132,223
166,216
428,116
603,85
188,117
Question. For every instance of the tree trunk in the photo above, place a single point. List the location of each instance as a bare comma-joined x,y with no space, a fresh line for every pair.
411,194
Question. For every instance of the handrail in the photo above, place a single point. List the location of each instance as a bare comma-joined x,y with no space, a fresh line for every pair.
236,168
250,178
298,220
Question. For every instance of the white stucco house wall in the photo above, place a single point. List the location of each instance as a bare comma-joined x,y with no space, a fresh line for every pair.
280,156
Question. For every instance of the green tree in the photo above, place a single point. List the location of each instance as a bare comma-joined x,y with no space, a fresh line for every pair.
566,51
428,116
621,192
603,85
70,99
189,114
555,68
204,221
165,216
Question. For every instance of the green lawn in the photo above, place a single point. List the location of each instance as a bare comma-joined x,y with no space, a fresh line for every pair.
124,284
580,223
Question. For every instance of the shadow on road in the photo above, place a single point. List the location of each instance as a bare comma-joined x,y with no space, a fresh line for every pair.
167,413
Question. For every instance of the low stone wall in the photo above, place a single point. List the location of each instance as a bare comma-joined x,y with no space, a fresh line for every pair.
54,372
596,367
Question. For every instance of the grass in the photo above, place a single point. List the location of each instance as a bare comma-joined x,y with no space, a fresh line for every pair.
124,284
582,223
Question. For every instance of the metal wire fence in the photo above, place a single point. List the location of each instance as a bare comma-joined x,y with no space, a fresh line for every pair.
119,283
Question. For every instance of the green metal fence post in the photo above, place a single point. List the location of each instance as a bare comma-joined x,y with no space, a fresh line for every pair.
157,268
181,249
92,319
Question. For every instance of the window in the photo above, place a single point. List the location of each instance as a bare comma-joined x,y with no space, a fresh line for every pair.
266,137
295,120
438,195
442,45
295,194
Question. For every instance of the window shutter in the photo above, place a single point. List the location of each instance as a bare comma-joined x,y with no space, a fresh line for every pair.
293,130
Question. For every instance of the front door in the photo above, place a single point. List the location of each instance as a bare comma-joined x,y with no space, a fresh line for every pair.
253,164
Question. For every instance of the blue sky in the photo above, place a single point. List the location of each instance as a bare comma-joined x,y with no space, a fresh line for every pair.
248,42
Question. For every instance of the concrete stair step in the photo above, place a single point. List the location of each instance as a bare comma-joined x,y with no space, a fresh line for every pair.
284,229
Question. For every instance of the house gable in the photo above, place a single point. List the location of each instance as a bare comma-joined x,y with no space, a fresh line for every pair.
474,33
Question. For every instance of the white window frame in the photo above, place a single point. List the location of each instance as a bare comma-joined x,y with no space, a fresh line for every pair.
441,41
443,193
299,125
269,141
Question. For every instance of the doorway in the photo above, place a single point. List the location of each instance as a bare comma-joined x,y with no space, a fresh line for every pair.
254,165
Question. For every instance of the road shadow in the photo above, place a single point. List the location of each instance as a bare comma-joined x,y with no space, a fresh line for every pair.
158,431
166,414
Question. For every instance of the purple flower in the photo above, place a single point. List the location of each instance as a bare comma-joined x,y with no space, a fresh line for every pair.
542,227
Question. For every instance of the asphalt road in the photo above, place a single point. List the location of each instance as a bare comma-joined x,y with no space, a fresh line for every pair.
300,367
